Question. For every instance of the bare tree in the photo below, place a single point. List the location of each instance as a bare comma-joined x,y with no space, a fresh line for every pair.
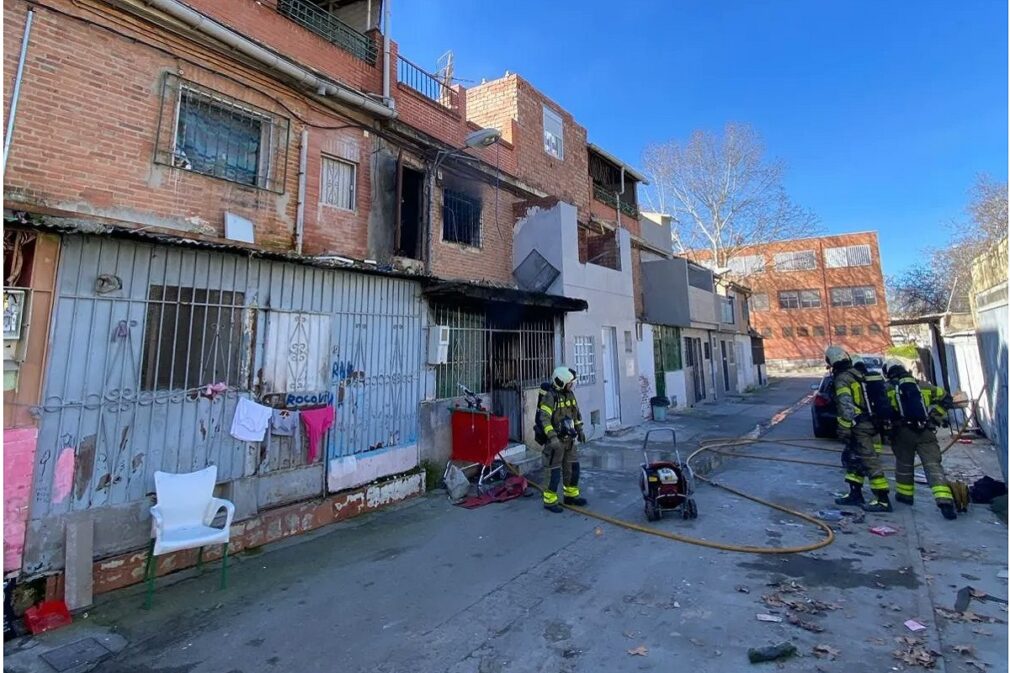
942,281
722,193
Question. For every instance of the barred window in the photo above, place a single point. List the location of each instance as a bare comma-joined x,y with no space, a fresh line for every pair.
747,264
758,302
461,218
802,331
207,132
585,359
800,260
787,332
793,299
840,330
818,330
874,328
852,255
338,183
853,296
192,337
856,330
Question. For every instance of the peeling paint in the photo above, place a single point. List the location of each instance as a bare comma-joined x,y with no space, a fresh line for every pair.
399,489
63,480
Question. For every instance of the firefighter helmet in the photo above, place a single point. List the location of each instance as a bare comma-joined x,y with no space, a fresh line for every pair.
563,376
835,354
889,364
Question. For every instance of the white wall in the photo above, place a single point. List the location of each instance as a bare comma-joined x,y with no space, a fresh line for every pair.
676,387
646,369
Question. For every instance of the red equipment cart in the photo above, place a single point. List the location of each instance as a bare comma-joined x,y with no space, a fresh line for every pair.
478,437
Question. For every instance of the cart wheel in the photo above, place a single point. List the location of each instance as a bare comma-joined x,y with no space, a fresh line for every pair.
650,512
690,510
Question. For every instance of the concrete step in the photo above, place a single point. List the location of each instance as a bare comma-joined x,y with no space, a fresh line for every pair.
528,462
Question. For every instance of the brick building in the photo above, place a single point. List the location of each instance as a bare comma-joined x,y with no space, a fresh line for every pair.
192,190
810,293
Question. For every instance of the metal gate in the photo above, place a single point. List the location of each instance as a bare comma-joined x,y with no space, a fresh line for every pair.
141,330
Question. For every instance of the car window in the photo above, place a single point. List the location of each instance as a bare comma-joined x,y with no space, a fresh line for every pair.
827,383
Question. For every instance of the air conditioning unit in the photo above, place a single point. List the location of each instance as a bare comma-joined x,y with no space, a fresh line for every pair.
438,345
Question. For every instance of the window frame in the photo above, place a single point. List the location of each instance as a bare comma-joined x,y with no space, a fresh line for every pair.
787,261
744,264
850,258
866,291
548,113
584,357
460,195
787,332
324,158
802,331
764,305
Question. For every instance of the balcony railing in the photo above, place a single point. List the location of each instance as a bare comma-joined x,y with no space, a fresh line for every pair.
426,84
329,27
609,197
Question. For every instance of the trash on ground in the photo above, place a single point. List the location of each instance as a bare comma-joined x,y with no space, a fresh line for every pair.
963,599
967,616
883,531
632,635
829,515
985,490
913,625
742,589
826,651
808,626
47,616
857,517
757,655
639,651
768,618
597,531
964,650
914,652
965,441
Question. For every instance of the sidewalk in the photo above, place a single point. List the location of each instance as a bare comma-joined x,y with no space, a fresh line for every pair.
430,588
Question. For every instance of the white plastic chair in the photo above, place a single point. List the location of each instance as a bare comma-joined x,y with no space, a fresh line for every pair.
182,519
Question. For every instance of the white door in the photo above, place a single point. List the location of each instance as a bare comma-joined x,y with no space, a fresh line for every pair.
611,369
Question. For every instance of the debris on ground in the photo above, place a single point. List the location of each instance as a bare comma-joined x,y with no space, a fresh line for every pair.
883,531
829,515
914,652
639,651
768,618
808,626
913,625
826,652
632,635
964,650
968,617
742,589
756,655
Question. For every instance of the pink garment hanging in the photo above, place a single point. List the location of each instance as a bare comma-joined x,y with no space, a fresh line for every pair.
317,422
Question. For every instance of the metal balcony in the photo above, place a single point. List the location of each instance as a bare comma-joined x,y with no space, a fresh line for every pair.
321,22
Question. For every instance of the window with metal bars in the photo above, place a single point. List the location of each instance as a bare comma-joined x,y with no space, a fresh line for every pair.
320,17
851,255
799,260
746,264
193,337
818,330
207,132
461,218
338,186
794,299
585,359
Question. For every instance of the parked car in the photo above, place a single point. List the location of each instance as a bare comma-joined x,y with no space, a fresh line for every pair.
822,410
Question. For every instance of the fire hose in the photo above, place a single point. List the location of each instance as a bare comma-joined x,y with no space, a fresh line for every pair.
718,446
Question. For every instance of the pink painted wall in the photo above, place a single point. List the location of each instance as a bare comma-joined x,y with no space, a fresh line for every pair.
19,457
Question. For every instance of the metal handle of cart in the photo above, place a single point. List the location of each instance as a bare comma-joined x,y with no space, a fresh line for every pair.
688,472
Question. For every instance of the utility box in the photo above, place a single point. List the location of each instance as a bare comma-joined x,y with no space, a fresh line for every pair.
438,345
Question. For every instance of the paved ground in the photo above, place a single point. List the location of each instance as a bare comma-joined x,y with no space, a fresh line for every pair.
509,587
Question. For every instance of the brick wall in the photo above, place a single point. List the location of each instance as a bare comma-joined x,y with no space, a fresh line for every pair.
88,120
512,99
827,317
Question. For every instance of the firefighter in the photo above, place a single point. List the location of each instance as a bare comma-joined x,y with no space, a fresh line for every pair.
856,429
874,385
558,424
919,408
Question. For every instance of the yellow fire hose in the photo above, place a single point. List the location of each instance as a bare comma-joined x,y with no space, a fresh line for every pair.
717,446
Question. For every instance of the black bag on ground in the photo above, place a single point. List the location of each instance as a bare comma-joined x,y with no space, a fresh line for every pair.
985,490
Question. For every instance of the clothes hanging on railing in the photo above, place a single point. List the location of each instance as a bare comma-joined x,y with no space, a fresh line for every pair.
250,421
317,422
284,423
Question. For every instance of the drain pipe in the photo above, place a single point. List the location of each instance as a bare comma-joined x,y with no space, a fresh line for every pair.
619,194
303,156
17,88
323,87
386,52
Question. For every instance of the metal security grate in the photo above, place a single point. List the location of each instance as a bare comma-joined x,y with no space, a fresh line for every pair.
207,132
426,84
488,352
327,26
461,217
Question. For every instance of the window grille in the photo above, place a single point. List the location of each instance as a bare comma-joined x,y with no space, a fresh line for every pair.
787,332
818,330
314,15
802,332
554,134
207,132
192,337
794,299
800,260
747,264
852,255
461,218
338,183
853,296
585,359
840,330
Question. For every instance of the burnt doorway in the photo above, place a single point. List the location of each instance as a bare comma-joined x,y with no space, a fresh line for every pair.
408,231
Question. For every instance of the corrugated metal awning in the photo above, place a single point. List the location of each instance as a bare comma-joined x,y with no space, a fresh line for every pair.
464,292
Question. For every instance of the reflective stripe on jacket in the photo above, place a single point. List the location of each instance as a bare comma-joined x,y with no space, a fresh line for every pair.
554,407
849,402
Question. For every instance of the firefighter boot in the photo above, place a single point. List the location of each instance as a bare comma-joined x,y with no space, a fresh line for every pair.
880,503
551,503
948,510
855,496
573,496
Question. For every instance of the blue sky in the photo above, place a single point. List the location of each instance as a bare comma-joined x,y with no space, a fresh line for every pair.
883,111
